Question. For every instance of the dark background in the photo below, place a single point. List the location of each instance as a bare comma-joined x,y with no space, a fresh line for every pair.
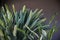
49,7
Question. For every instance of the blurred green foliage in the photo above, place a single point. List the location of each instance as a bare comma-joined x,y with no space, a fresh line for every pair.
24,25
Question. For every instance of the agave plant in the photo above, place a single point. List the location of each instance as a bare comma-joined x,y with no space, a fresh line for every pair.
24,24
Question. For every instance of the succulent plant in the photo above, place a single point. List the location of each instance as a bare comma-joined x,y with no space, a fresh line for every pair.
25,24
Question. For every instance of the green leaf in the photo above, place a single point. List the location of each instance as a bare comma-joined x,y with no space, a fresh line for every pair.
5,19
41,21
1,33
38,13
51,19
32,31
15,30
44,33
2,23
13,9
21,17
16,17
29,18
21,31
41,37
9,14
34,23
50,33
24,8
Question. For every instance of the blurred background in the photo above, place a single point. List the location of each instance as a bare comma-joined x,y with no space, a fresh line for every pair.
50,7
